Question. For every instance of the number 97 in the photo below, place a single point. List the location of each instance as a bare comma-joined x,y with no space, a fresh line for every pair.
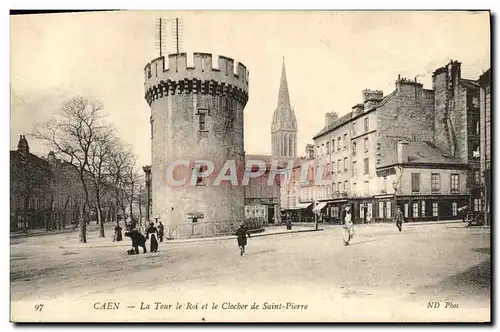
38,307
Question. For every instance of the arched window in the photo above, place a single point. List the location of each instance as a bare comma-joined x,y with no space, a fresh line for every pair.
285,150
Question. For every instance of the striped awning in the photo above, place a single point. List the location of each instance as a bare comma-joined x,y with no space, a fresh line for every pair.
302,205
319,206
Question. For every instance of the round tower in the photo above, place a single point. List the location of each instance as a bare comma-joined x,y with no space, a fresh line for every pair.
196,114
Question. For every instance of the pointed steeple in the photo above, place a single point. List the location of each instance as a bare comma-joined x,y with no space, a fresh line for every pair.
283,96
284,126
284,116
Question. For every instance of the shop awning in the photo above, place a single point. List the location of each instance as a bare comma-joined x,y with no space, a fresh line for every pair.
319,206
302,205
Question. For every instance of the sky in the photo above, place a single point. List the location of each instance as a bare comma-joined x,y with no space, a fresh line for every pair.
330,58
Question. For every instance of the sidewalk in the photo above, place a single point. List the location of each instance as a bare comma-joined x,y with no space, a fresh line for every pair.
42,232
379,224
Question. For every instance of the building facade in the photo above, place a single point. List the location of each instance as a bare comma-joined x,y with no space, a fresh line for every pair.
298,181
262,200
44,192
485,119
202,107
360,151
457,123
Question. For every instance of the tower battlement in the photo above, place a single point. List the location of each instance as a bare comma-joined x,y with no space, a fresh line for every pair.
195,73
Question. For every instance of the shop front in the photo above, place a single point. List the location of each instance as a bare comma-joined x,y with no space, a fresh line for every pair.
431,208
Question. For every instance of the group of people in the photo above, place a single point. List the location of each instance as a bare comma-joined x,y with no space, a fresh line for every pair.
154,233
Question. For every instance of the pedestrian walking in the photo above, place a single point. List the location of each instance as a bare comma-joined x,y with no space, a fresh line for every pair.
398,218
152,236
138,240
347,226
288,222
161,230
242,234
117,235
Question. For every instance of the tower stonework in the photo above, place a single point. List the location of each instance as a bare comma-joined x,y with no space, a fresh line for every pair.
284,125
196,114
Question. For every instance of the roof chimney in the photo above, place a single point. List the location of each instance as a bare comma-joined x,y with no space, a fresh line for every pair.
330,117
372,98
400,152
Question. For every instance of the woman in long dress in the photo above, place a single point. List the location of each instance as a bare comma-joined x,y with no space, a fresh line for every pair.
152,235
117,235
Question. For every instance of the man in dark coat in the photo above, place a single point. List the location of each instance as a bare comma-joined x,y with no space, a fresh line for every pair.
161,229
138,240
398,218
242,234
288,222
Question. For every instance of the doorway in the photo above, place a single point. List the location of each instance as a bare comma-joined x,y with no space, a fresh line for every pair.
270,214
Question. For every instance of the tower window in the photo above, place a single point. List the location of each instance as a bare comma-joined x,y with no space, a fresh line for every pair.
200,169
202,120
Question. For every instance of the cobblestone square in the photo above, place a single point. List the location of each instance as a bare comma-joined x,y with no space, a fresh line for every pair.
384,275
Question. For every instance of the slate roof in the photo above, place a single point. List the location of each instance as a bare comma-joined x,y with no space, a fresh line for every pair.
346,118
421,152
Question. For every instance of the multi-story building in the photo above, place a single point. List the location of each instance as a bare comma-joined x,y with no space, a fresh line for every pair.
333,152
360,151
262,199
30,188
299,187
457,122
44,192
485,131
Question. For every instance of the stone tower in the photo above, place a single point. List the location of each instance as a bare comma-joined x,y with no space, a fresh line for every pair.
23,147
196,114
284,126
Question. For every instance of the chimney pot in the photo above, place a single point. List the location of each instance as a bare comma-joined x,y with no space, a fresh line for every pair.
401,158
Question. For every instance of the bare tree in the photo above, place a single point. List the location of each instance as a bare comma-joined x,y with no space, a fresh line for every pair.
71,134
120,161
141,197
99,161
131,185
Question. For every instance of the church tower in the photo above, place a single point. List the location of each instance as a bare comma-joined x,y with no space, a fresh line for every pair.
284,126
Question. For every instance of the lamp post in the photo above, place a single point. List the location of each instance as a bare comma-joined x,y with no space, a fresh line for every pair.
147,171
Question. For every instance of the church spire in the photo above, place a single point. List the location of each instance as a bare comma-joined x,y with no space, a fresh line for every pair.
283,96
284,125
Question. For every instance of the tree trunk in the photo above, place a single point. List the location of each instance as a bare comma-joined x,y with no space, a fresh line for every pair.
100,220
140,211
65,213
83,222
131,214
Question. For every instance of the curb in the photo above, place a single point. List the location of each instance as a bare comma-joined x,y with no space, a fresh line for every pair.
288,232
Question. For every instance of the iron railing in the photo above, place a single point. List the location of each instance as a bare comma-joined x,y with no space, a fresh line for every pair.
211,228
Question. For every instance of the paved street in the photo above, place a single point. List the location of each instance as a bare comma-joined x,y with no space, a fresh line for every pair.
383,275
